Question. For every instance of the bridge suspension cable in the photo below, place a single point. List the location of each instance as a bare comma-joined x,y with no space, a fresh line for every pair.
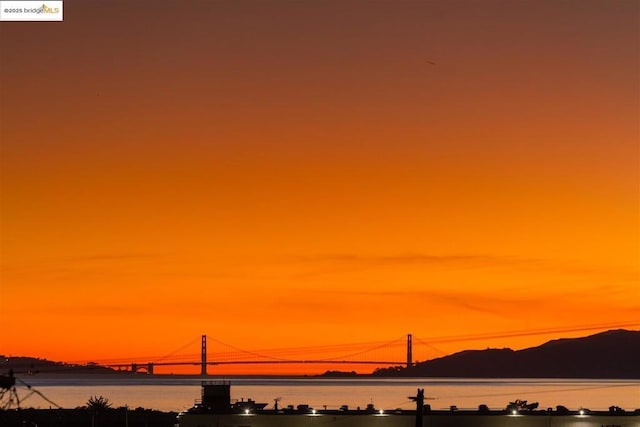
367,350
289,354
182,347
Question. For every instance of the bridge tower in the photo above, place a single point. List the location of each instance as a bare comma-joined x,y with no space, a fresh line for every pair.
409,351
203,360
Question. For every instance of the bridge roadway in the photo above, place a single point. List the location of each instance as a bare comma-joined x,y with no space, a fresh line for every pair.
259,362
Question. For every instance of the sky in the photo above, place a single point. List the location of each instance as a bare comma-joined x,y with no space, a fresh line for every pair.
300,175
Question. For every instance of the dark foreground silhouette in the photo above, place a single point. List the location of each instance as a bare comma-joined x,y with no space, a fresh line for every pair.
85,417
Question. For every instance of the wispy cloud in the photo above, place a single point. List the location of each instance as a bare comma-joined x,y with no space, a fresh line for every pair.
506,304
324,264
112,257
413,258
67,262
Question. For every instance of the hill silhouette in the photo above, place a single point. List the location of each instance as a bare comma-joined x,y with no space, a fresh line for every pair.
612,354
31,365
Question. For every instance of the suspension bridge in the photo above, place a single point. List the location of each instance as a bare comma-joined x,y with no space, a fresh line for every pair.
402,349
206,361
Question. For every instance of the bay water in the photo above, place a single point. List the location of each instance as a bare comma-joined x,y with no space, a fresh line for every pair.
177,394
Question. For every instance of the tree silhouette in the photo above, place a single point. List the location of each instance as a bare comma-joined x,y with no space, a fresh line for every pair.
98,403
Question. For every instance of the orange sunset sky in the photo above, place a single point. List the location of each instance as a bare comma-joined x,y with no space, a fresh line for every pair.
291,174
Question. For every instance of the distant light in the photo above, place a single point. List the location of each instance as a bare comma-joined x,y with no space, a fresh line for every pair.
581,411
246,412
514,412
381,412
313,411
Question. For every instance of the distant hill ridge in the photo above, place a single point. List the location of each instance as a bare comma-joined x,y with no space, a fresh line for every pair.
613,354
31,365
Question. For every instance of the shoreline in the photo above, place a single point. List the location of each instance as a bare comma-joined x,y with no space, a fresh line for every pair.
369,378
